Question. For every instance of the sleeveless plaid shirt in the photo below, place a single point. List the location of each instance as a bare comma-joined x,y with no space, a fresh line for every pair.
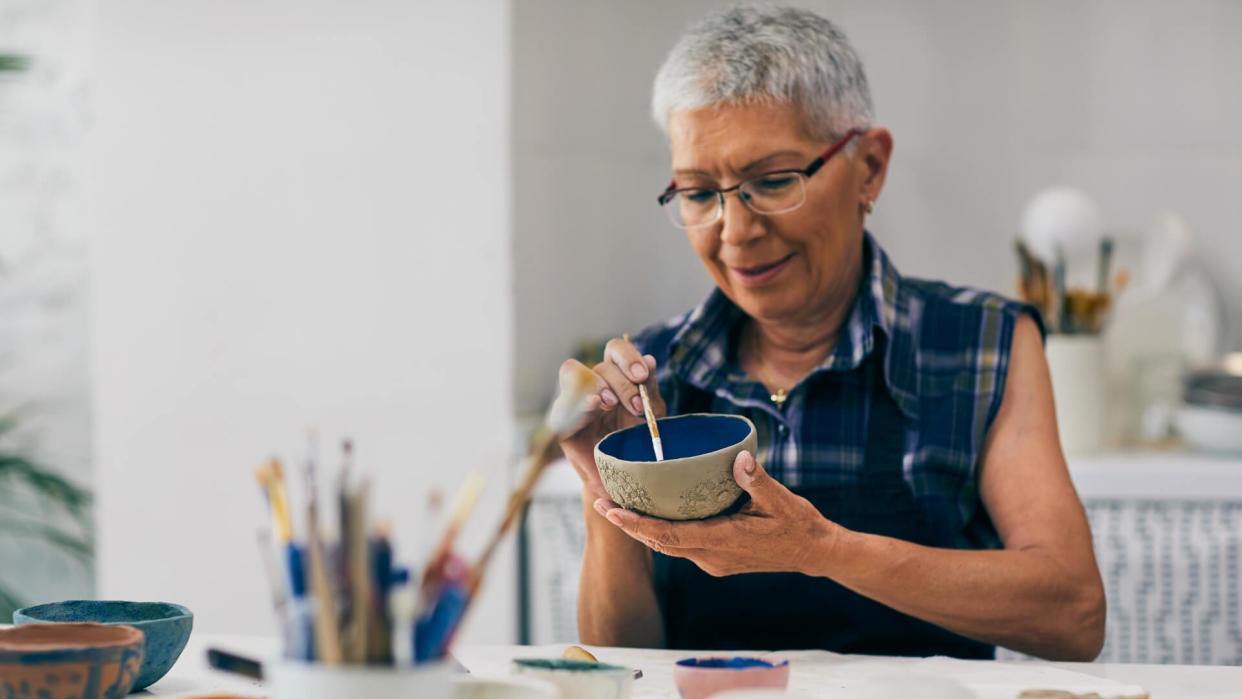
945,353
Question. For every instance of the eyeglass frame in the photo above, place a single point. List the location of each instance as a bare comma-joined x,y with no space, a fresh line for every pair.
807,172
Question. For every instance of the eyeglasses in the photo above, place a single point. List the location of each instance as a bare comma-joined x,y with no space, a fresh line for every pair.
775,192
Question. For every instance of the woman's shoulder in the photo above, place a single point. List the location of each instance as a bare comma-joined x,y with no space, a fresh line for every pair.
947,316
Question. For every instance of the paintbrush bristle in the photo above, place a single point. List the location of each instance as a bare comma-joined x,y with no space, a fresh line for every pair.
571,403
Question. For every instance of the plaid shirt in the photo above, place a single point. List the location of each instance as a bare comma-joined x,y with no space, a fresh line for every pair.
945,353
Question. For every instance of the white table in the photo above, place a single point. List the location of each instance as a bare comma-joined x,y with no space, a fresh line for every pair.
191,676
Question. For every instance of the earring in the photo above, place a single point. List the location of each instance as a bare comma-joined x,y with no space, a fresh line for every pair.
867,206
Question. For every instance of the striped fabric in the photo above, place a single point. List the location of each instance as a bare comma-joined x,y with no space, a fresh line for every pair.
945,354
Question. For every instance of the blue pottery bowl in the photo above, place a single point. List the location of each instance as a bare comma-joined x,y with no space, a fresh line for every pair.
165,625
695,479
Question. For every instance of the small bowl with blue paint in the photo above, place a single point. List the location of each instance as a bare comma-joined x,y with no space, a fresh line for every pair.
699,678
695,479
58,661
166,627
580,679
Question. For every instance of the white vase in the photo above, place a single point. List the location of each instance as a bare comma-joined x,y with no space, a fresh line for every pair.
1079,389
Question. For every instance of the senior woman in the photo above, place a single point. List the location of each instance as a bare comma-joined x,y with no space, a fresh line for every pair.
909,495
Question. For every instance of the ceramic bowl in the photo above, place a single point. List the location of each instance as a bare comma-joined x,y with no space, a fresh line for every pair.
695,480
58,661
471,687
580,679
699,678
166,627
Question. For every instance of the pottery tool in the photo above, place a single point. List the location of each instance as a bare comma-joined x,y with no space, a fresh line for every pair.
1034,284
379,639
291,609
356,555
1105,265
327,626
1061,317
236,664
656,445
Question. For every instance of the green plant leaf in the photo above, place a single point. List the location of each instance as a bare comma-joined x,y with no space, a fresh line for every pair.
81,547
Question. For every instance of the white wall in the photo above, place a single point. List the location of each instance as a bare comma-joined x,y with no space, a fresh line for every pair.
1136,102
302,220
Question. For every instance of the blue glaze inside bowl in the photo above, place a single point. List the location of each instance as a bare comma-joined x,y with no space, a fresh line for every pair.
166,627
566,664
681,437
736,663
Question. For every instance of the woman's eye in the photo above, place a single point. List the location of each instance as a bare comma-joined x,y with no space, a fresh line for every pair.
699,196
774,183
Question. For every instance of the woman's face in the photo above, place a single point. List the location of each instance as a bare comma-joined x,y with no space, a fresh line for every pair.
793,267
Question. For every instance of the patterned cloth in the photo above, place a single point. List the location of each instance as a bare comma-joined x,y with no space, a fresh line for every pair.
945,352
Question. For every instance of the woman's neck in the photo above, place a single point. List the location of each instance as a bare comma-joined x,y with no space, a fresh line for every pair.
782,353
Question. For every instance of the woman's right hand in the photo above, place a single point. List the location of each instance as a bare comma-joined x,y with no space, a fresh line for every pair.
615,405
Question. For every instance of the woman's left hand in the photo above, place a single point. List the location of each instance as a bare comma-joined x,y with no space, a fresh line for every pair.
777,531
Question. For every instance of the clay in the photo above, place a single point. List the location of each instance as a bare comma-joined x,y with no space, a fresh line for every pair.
695,481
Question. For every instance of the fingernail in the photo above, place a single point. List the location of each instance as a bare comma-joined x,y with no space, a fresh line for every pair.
614,517
609,398
749,466
600,507
638,370
638,405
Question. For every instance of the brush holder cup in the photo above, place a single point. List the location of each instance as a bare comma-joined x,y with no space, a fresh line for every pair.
695,479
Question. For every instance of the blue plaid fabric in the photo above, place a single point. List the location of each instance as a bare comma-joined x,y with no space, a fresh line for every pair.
945,353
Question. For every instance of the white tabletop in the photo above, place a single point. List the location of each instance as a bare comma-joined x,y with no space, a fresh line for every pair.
191,676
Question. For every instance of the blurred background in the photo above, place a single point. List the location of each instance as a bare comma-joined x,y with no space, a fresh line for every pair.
222,223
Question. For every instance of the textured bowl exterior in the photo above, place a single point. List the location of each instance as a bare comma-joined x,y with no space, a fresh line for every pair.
694,487
703,682
82,669
580,679
166,626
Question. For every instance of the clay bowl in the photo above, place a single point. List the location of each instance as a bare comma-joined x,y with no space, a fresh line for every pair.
580,679
698,678
166,627
57,661
695,480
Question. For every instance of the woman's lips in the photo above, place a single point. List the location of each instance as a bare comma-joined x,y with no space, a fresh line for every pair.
762,274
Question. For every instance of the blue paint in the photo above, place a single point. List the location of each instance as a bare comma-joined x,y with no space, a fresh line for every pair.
735,663
166,627
681,437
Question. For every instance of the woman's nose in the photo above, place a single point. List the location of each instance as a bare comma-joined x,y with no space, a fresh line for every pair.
740,224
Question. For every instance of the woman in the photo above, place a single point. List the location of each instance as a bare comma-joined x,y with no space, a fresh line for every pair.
909,495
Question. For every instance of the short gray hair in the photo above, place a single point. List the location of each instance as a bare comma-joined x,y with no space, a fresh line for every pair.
758,53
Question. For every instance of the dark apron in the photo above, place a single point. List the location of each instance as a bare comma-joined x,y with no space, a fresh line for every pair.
783,611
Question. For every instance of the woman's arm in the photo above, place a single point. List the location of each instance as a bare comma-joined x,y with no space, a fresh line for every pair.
1041,595
616,596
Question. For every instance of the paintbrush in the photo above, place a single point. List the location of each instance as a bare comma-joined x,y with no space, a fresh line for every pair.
656,445
564,415
463,505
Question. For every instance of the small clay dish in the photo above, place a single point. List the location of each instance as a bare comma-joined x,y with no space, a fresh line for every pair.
58,661
695,480
580,679
698,678
166,627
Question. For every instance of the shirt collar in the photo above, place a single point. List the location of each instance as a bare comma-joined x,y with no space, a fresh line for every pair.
703,352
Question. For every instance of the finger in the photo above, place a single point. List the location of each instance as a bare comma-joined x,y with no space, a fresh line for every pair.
627,358
605,399
603,505
625,390
749,474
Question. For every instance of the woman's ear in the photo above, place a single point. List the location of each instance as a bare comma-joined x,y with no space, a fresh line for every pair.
874,150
